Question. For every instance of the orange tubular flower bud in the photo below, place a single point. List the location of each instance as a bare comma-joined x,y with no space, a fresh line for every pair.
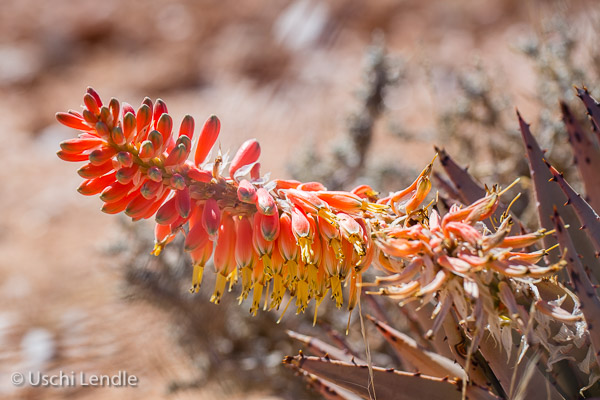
247,154
94,186
90,90
269,226
90,118
115,109
157,141
303,234
162,236
116,191
165,126
167,213
124,159
224,258
72,121
177,156
255,172
332,235
352,232
119,205
246,192
117,136
76,157
463,231
197,235
287,241
137,206
311,203
265,203
183,202
90,170
365,192
520,241
263,247
158,201
187,127
151,189
286,184
90,102
129,126
143,119
244,249
128,108
158,110
311,186
207,139
146,150
211,218
79,145
199,175
200,257
125,175
177,182
423,188
349,202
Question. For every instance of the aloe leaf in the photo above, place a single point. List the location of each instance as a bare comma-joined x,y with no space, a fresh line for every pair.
479,371
590,303
420,315
592,106
425,361
443,183
328,390
321,348
548,196
388,383
586,157
537,387
588,218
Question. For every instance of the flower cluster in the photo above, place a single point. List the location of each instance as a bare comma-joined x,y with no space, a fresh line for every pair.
284,235
467,266
299,236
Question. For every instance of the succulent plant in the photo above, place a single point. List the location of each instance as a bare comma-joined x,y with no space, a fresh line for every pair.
508,318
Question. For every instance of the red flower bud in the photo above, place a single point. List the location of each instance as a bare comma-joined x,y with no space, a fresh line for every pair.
208,137
247,154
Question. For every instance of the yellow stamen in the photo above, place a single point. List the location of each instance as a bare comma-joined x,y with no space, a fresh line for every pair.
358,244
197,278
219,289
509,186
232,278
266,259
278,291
266,296
337,248
256,296
336,291
158,247
292,268
246,283
306,251
301,296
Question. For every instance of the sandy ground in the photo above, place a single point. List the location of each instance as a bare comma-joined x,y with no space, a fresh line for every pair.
282,72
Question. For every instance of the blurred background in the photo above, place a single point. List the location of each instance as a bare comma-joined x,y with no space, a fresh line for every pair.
343,91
